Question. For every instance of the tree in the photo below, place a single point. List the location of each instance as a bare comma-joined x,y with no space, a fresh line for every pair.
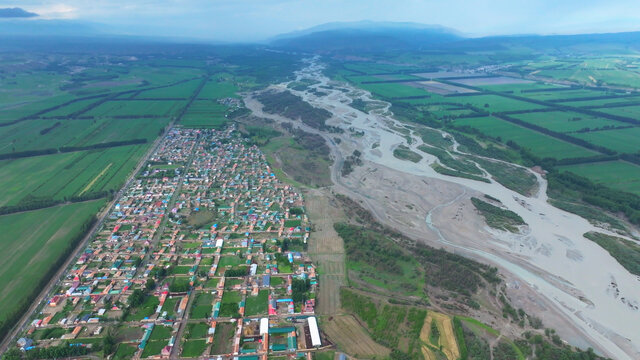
150,285
136,298
109,341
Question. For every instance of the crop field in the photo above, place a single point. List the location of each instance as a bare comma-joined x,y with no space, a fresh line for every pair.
446,338
218,88
205,113
566,95
374,68
28,256
518,88
350,336
27,135
592,76
541,145
67,174
586,102
69,109
565,122
620,140
12,111
619,175
179,91
489,81
136,108
440,88
494,103
394,90
444,74
627,111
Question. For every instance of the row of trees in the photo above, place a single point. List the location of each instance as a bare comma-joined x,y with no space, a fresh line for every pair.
33,203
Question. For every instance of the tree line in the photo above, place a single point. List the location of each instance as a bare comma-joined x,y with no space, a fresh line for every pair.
65,149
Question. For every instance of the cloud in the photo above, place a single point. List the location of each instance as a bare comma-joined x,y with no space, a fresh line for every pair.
57,11
16,12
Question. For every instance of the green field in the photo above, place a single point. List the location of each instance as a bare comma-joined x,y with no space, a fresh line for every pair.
620,140
394,90
619,175
136,108
180,91
28,255
626,111
67,174
26,135
565,122
541,145
205,113
218,88
494,103
257,305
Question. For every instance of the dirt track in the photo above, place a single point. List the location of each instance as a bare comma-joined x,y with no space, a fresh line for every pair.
326,249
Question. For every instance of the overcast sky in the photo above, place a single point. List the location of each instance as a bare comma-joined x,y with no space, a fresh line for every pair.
250,20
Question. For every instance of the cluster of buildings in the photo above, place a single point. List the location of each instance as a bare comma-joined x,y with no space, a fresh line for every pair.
203,255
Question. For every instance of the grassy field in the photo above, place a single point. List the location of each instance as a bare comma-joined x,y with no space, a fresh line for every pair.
619,175
28,256
26,135
67,174
218,88
205,113
622,140
494,103
566,122
257,305
136,108
626,111
539,144
394,90
182,90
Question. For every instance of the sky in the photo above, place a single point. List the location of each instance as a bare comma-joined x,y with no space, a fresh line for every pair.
255,20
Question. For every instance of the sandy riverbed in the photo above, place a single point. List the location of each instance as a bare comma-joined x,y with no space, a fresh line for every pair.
576,285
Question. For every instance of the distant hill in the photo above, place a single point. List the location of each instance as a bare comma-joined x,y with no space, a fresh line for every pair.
16,12
365,36
378,37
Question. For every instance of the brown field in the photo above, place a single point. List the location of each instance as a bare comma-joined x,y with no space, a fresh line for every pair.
326,249
352,338
447,340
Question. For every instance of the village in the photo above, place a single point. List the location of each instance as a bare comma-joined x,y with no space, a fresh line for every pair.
204,256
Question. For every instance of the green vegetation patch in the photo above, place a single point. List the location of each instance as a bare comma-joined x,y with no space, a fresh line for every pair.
193,348
619,175
387,323
510,176
541,145
404,153
449,161
202,306
497,217
626,252
376,260
35,243
446,171
257,305
197,330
